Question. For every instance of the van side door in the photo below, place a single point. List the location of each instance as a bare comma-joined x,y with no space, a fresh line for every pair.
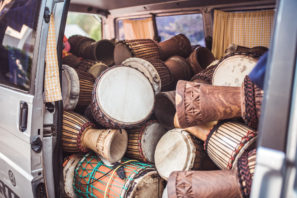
23,36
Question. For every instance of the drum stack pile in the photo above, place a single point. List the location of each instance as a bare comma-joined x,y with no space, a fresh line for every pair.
126,130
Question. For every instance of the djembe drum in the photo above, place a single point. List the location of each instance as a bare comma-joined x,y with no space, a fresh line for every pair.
211,103
130,178
179,68
222,183
227,141
164,109
176,45
228,71
70,87
68,174
140,48
71,60
122,98
147,69
142,141
200,58
86,85
232,69
178,150
79,135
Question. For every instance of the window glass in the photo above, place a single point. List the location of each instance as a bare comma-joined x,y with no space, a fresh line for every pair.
88,25
18,21
190,25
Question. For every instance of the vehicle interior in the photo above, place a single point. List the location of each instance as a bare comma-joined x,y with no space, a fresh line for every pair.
222,29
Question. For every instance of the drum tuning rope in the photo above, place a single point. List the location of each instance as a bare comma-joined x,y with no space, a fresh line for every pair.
114,170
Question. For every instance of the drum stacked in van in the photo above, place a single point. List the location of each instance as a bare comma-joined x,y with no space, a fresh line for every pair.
146,109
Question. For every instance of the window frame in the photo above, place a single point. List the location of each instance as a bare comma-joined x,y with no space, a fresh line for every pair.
158,14
35,55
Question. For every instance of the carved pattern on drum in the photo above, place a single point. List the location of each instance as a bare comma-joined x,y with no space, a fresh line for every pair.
212,184
227,141
199,103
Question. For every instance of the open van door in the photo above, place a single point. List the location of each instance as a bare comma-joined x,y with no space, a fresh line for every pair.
23,37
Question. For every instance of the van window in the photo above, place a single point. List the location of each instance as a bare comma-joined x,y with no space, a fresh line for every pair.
88,25
18,21
190,25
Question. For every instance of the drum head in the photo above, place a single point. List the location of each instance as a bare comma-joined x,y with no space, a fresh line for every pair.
232,70
174,152
147,186
68,174
97,69
152,134
70,87
121,53
124,95
147,69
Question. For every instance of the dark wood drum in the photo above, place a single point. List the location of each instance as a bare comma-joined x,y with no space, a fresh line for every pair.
140,48
122,98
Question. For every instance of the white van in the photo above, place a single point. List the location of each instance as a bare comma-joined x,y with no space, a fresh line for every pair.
31,155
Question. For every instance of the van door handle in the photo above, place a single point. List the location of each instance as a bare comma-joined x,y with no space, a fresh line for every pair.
23,116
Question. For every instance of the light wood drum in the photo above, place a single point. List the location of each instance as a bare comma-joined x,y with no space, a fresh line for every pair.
122,98
227,141
70,87
232,70
130,178
177,150
79,135
142,141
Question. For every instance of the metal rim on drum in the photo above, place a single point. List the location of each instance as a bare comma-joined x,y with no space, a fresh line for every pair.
186,147
127,114
223,74
70,87
147,69
143,141
227,141
94,179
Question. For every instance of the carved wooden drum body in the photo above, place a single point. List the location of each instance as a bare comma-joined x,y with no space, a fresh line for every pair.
122,98
70,87
142,141
94,179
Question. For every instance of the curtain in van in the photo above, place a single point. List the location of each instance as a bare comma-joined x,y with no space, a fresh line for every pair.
247,29
138,28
